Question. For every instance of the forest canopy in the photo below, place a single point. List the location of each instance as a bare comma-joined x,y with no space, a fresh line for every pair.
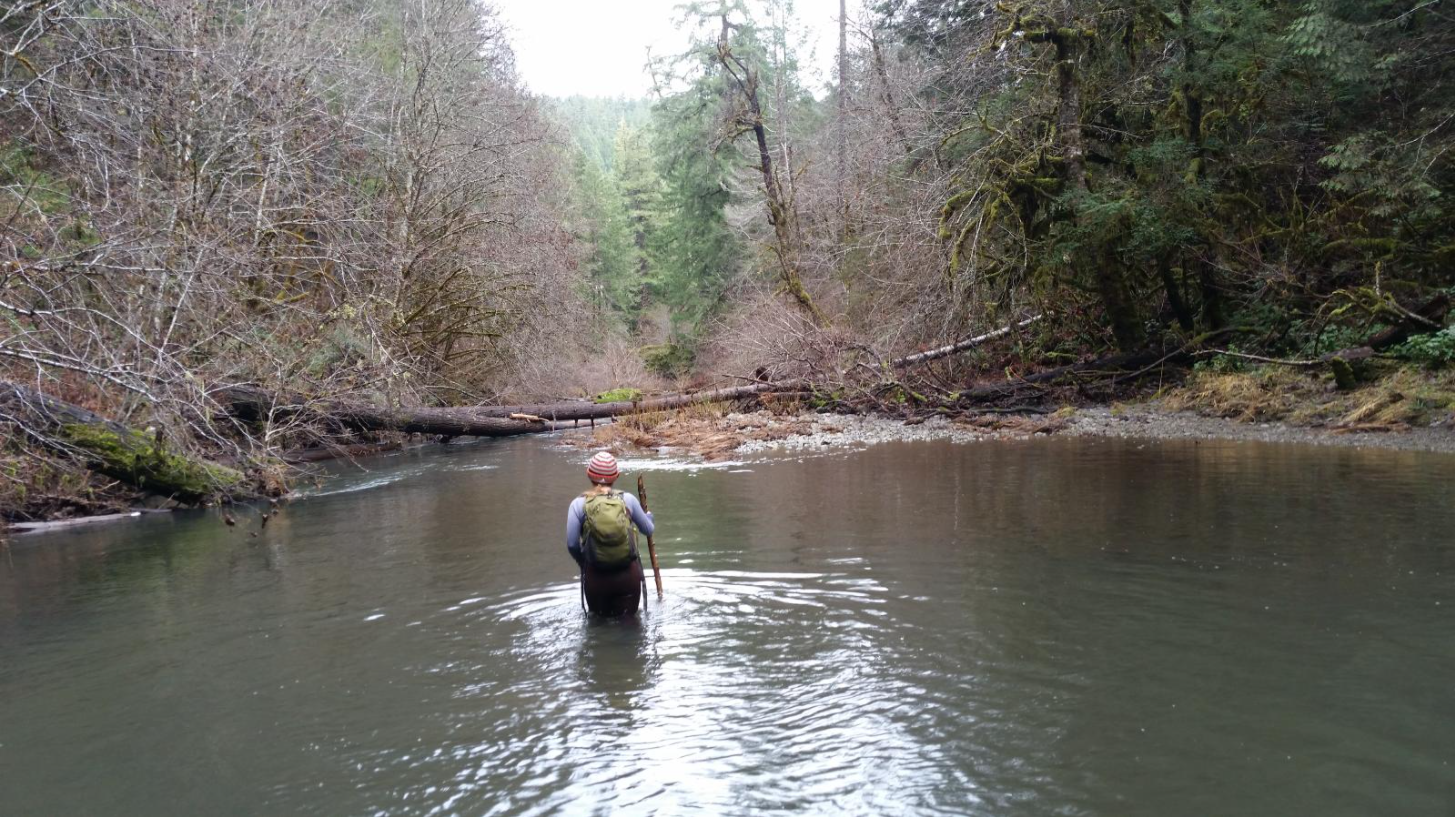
1143,170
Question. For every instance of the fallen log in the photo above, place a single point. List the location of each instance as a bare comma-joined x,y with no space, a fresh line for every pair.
583,410
961,346
1338,361
1121,364
1431,313
118,451
1426,318
253,404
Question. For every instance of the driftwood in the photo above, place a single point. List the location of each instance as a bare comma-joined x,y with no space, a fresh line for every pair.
961,346
1124,365
80,521
108,447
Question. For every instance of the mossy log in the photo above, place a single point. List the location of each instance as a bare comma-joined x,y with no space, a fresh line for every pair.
117,451
1344,377
253,404
1432,312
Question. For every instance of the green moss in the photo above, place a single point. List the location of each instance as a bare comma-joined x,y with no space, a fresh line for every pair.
959,246
133,456
668,359
621,395
947,212
1343,374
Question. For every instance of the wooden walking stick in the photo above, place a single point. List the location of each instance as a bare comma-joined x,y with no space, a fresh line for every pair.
651,548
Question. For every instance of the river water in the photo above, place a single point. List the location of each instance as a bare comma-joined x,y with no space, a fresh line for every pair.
1067,627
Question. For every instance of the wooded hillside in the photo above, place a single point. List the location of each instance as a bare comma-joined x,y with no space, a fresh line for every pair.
1143,172
358,201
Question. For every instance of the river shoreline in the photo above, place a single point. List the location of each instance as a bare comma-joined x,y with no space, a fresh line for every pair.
744,434
1145,422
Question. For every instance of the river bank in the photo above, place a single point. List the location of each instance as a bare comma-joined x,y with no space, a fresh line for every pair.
1402,408
1406,411
740,435
735,435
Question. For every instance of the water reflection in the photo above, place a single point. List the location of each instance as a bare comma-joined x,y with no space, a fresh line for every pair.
737,677
1068,627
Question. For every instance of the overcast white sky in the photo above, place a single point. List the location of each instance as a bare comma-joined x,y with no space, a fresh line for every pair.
599,47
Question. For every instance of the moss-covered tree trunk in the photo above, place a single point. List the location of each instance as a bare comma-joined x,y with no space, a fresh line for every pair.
110,448
1193,131
1111,284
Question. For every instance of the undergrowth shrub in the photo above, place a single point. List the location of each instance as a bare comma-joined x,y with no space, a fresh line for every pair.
1435,350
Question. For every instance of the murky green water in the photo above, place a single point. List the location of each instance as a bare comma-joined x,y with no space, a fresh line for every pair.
1059,627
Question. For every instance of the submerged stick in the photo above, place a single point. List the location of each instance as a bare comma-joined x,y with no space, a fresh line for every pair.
651,547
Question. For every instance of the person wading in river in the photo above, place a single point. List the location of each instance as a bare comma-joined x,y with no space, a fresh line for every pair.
599,536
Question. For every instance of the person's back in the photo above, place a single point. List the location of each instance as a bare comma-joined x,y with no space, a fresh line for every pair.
599,537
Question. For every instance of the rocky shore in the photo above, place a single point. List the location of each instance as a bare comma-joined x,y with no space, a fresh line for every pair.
1150,422
738,435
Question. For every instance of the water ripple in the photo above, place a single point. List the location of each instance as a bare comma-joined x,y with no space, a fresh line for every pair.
1000,632
736,675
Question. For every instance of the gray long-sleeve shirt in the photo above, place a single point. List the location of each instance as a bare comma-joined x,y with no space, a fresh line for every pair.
576,517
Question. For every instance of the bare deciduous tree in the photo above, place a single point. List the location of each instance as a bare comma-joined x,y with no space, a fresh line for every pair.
342,196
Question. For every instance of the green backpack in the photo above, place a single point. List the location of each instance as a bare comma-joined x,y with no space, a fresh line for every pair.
607,532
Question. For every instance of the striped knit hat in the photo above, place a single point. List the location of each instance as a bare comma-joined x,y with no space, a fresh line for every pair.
602,469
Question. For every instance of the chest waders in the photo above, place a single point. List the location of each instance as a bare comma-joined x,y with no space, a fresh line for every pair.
586,556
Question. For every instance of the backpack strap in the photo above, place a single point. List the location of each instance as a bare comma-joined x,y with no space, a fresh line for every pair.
631,529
